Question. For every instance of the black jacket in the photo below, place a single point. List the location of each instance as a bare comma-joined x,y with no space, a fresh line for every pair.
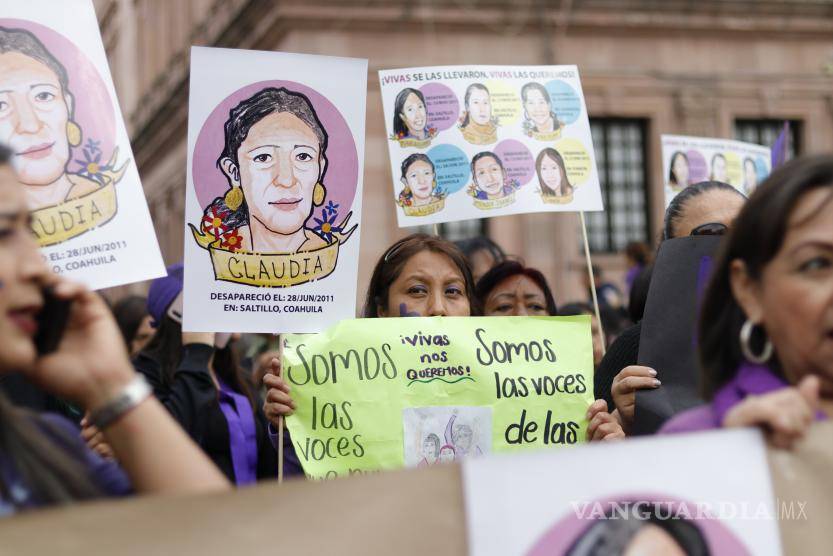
192,400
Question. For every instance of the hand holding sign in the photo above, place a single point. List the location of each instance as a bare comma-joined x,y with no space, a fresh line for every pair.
278,401
625,385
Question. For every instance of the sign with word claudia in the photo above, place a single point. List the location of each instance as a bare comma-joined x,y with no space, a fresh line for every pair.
476,141
689,160
385,393
61,119
273,206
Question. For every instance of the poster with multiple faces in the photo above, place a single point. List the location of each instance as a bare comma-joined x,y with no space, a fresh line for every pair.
689,160
61,119
668,495
478,141
274,190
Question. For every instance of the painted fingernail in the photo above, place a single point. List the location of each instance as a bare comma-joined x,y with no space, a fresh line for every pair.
657,382
652,372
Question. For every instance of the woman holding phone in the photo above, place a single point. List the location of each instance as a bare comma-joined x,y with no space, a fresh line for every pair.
42,460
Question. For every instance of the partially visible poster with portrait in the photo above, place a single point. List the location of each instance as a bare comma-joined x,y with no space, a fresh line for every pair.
477,141
60,116
689,160
707,493
274,190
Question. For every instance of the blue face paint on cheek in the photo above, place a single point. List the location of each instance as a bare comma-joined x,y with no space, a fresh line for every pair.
403,311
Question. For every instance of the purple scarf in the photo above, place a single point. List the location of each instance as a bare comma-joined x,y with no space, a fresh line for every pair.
242,434
750,380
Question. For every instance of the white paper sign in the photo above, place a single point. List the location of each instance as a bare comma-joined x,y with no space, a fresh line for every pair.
60,116
705,493
274,197
441,434
689,160
478,141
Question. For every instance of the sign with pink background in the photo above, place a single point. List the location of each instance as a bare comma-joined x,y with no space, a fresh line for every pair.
61,119
273,203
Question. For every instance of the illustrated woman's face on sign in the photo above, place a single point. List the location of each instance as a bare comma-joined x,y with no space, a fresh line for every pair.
480,106
551,173
680,169
413,114
446,454
420,179
430,448
279,164
537,107
33,118
489,176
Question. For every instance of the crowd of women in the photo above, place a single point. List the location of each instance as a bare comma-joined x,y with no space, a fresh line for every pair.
127,402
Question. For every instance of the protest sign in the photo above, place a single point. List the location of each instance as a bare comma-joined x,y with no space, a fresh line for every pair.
419,511
476,141
668,339
273,202
689,160
381,393
71,149
706,493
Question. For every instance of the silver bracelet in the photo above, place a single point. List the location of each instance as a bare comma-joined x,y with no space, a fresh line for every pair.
137,391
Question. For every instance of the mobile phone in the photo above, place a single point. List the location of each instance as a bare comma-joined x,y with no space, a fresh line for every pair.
52,321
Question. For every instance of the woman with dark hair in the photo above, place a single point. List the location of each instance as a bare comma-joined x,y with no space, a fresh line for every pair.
766,324
42,459
410,119
275,161
477,124
489,180
679,176
552,177
481,253
418,276
511,289
134,322
706,202
197,376
540,122
420,195
36,96
705,208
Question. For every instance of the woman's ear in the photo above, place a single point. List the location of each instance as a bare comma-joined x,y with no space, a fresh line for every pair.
231,171
746,291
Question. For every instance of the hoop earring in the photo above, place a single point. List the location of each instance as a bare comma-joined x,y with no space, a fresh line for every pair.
73,134
233,198
318,194
746,348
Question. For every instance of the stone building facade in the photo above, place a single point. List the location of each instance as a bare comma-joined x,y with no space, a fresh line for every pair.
720,68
